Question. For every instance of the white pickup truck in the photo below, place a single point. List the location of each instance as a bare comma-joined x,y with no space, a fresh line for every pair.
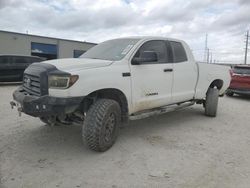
116,81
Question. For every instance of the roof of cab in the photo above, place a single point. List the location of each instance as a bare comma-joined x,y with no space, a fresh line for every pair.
150,38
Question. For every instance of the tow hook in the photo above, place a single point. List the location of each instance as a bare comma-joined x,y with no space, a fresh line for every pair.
12,104
19,108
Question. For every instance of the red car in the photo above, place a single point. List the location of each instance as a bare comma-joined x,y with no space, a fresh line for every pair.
240,82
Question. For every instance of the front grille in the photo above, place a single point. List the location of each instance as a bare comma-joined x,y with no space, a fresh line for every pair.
35,79
32,85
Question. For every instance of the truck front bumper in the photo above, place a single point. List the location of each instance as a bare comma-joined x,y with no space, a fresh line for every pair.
44,105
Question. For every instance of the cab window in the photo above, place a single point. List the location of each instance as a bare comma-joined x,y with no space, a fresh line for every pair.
179,54
157,46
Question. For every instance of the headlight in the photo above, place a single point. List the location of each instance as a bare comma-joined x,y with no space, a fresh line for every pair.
62,81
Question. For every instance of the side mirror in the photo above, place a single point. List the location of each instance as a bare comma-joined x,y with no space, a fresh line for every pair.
146,56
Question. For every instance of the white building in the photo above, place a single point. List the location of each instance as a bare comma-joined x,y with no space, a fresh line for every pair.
46,47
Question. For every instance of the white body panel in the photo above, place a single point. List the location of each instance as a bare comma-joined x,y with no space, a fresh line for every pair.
184,84
90,80
189,80
151,86
185,78
207,74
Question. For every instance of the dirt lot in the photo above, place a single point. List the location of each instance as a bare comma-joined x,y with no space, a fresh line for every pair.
179,149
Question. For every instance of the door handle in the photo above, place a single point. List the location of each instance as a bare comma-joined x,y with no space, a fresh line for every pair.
168,70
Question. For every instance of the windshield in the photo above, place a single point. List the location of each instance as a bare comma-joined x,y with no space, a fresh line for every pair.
113,50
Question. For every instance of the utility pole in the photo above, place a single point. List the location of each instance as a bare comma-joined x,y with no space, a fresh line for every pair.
246,49
211,57
208,55
205,51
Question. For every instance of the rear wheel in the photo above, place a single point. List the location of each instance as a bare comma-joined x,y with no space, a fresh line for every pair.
101,126
211,103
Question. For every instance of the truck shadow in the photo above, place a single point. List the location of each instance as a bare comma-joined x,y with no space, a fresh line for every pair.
51,150
165,121
67,139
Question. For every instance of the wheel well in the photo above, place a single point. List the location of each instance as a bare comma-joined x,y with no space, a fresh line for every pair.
111,93
217,83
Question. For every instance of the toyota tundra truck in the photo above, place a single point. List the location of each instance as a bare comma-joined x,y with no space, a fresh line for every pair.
117,81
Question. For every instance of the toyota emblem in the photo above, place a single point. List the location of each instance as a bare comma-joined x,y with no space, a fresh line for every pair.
28,81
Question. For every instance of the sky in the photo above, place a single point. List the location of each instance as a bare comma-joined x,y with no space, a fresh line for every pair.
225,22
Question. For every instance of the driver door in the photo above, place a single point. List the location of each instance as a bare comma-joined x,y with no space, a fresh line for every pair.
152,81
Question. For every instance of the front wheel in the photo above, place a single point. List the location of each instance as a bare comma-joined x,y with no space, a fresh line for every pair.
100,128
211,103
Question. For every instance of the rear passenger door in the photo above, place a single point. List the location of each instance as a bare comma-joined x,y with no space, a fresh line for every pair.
185,74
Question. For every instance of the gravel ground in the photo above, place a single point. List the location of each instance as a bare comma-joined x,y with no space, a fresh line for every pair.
178,149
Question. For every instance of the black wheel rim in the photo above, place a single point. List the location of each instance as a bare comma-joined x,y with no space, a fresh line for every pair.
109,127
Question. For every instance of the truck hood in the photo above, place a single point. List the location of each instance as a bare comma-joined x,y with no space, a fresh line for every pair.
76,64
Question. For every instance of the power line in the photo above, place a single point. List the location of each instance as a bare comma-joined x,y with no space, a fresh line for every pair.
228,60
220,53
232,53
